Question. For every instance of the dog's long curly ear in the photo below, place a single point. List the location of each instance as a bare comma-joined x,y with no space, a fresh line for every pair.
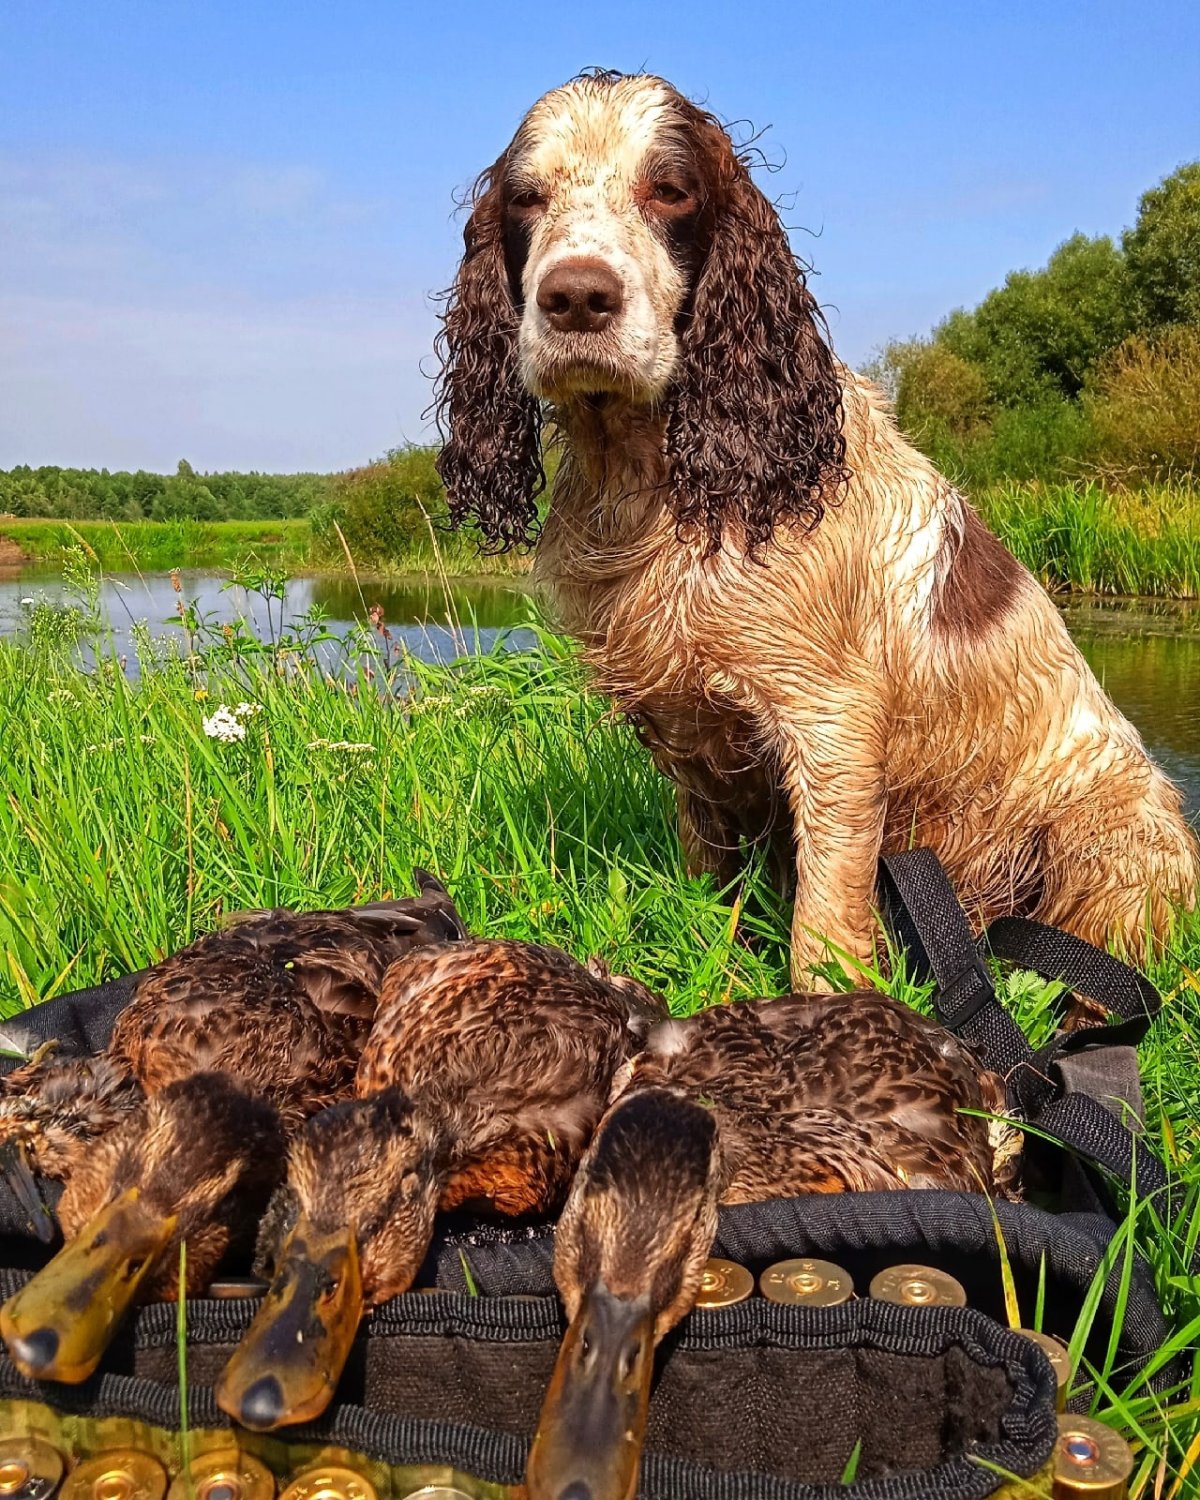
755,422
491,460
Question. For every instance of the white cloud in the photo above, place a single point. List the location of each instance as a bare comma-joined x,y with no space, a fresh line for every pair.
238,314
315,383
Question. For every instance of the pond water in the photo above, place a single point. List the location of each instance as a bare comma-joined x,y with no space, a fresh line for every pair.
435,625
1146,653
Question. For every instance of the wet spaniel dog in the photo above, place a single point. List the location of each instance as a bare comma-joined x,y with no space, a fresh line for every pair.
822,644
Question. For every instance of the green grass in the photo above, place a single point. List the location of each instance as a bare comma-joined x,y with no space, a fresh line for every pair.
157,546
126,830
1086,539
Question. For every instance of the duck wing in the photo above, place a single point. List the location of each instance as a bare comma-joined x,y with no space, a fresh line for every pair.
506,1036
815,1151
260,1029
855,1090
336,959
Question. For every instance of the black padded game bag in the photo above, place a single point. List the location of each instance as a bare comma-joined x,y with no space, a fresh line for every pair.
752,1402
755,1400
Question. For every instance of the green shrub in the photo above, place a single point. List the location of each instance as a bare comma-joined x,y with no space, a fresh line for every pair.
1036,337
1144,406
185,497
50,492
936,390
384,510
1051,440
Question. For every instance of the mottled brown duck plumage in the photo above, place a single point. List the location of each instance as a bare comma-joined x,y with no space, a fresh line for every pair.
280,1000
486,1071
766,1099
195,1164
830,1094
177,1132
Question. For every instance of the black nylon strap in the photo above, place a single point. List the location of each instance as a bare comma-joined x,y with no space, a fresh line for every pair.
924,915
1084,1124
1088,970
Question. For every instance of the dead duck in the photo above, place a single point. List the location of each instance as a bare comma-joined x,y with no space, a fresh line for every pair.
194,1164
766,1099
485,1073
282,1000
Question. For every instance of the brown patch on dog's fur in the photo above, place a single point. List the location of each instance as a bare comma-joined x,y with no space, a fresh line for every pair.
983,582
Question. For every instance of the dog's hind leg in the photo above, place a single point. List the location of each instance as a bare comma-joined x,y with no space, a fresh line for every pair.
1117,880
709,836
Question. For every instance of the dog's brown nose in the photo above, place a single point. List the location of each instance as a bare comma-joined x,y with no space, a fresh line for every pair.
580,295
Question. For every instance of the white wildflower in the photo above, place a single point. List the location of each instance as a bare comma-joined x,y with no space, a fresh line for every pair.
224,725
248,710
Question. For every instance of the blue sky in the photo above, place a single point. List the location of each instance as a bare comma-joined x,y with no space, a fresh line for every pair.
220,223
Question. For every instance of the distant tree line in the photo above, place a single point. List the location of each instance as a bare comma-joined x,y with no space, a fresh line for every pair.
98,494
1089,365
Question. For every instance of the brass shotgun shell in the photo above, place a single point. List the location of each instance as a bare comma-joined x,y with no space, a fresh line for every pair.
918,1286
329,1482
29,1469
436,1492
1090,1460
119,1474
723,1283
228,1474
1060,1361
805,1282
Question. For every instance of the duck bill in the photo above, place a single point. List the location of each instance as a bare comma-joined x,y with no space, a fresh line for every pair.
287,1367
17,1173
59,1324
593,1422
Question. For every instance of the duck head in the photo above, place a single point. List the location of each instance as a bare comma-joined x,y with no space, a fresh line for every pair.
52,1112
629,1256
350,1229
194,1163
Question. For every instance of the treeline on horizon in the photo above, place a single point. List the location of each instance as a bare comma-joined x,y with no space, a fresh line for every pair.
1086,368
118,495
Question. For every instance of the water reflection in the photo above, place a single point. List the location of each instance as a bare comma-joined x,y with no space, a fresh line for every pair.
432,622
422,601
1147,656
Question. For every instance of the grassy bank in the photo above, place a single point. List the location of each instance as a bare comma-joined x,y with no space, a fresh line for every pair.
542,813
1087,539
154,547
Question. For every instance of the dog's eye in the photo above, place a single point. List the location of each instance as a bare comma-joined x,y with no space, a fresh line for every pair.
529,200
669,194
